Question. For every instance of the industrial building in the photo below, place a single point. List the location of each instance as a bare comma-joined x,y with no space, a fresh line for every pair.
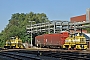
81,18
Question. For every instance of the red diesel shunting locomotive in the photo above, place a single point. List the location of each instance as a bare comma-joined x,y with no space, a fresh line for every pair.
51,40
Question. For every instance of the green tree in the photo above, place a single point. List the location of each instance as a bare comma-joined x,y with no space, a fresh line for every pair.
17,25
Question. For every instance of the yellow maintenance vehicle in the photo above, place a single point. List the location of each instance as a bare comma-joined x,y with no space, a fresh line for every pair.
14,42
75,42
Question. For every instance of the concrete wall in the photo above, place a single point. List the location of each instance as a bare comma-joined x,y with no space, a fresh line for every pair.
88,14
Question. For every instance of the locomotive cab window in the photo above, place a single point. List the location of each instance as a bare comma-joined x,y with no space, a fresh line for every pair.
8,42
82,40
13,38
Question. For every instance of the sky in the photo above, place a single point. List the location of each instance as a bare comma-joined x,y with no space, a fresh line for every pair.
54,9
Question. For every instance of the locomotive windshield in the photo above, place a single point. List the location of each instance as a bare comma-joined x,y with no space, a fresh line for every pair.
12,38
82,40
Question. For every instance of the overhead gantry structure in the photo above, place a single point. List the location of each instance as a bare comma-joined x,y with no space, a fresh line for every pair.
57,26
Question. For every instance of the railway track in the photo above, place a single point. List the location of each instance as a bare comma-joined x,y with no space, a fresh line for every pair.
44,55
17,55
62,55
